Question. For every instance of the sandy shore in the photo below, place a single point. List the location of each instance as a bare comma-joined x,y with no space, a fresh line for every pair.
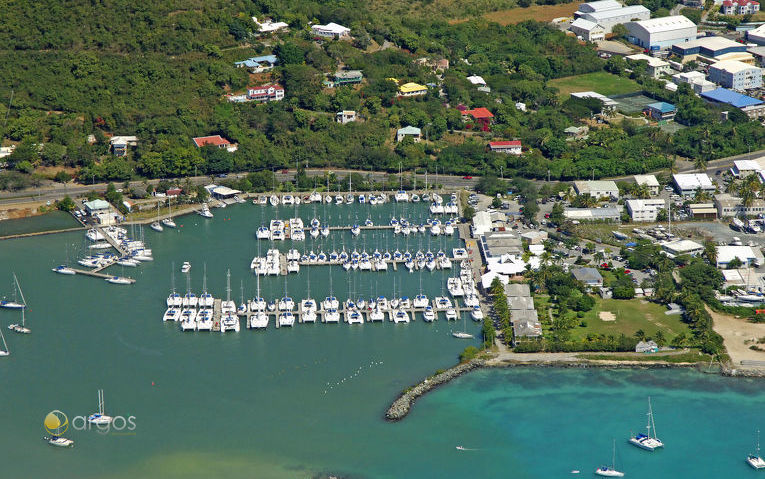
739,334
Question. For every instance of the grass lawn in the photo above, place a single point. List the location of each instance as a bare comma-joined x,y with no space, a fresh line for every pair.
601,82
631,315
689,357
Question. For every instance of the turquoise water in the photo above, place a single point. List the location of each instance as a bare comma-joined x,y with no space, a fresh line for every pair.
308,400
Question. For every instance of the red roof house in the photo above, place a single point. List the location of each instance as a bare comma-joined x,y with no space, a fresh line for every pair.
482,116
215,140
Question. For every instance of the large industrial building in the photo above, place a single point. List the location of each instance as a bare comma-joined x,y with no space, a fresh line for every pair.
735,75
608,17
712,49
751,107
661,33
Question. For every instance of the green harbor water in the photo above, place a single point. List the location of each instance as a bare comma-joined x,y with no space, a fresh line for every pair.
298,402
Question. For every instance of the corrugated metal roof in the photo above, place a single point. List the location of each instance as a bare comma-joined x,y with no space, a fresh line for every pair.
723,95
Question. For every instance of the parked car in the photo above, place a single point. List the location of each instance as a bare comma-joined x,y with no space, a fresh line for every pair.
467,177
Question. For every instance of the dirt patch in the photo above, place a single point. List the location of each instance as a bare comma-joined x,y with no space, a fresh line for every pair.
607,316
21,210
738,334
540,13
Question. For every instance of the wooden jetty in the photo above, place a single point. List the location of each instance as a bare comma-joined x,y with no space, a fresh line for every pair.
97,274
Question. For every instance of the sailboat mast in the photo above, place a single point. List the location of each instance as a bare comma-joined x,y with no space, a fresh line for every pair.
228,285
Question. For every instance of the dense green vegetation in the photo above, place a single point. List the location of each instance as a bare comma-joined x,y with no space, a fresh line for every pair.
160,70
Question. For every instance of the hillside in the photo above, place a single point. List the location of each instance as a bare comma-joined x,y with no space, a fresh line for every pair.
160,70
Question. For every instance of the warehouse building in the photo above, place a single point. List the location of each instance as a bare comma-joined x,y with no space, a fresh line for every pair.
680,247
735,75
587,30
697,80
687,184
728,206
747,255
597,189
661,33
593,214
712,49
650,182
751,107
599,6
608,18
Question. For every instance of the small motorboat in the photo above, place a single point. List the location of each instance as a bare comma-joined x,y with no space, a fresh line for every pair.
186,267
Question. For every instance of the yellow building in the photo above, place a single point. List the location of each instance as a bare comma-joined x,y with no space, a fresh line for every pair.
412,89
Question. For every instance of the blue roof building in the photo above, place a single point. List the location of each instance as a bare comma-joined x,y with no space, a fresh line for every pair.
753,107
660,111
258,64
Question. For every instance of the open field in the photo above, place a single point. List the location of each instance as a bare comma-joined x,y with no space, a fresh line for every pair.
601,82
540,13
630,316
738,334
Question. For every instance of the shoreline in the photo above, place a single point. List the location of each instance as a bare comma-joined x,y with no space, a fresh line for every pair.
402,405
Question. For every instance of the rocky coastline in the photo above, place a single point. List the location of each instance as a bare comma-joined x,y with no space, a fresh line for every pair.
401,407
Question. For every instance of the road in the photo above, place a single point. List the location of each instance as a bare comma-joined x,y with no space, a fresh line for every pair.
54,191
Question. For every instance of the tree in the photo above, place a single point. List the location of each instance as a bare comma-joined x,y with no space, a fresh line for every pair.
619,31
496,202
659,338
556,215
468,213
289,53
640,335
66,204
735,263
62,177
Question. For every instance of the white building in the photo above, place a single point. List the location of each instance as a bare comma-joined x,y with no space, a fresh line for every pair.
345,116
597,189
687,184
650,182
598,6
331,30
735,75
476,80
481,223
661,33
744,168
588,30
697,80
656,66
746,254
728,206
645,210
679,247
608,18
269,26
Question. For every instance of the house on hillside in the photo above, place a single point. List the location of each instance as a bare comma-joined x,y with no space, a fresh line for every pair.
269,26
120,144
412,89
512,147
739,7
345,116
331,30
258,64
482,117
272,92
660,111
409,131
215,140
347,77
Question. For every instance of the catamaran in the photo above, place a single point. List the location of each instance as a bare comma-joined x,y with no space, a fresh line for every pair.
100,418
14,304
610,470
647,441
755,460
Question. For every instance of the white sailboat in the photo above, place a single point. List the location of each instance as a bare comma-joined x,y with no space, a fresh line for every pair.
647,441
755,460
157,226
14,304
100,418
169,220
610,470
462,334
20,328
56,439
5,351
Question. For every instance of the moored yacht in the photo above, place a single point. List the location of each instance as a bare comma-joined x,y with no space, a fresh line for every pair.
64,270
100,418
229,322
476,313
286,319
647,441
429,315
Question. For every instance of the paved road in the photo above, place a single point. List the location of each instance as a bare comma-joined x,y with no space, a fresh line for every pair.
54,191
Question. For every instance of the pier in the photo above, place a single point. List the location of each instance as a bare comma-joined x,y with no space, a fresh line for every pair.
97,274
217,313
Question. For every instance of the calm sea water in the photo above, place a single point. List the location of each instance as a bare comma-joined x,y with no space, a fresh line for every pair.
302,401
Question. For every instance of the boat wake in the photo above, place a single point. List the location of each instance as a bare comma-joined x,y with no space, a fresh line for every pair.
146,351
463,448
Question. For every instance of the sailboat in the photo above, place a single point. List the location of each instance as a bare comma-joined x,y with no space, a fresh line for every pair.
755,460
610,471
100,418
169,220
5,351
462,334
20,328
52,421
13,304
156,226
647,441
